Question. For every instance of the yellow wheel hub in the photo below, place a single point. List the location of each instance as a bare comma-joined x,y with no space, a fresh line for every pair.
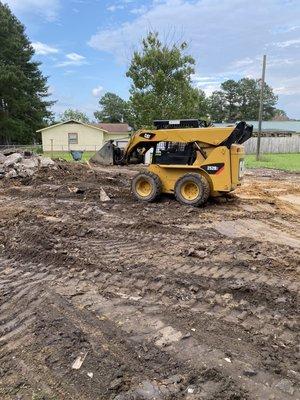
143,188
190,190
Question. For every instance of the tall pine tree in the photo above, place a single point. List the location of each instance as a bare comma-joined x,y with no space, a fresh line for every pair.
23,88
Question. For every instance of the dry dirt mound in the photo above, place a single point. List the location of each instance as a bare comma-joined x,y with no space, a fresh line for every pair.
120,300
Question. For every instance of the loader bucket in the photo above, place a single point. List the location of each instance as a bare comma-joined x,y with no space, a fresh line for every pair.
104,156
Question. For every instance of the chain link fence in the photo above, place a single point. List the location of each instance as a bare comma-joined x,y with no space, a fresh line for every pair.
36,148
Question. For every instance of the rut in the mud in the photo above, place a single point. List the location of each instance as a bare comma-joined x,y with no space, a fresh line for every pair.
154,301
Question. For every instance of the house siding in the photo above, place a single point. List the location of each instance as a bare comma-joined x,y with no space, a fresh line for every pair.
89,138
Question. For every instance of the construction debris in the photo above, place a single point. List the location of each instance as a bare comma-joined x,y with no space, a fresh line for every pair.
22,164
103,195
79,361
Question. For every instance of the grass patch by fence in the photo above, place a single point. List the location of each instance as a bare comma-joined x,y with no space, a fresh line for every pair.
65,155
287,162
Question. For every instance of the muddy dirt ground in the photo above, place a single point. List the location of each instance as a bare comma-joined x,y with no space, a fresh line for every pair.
126,301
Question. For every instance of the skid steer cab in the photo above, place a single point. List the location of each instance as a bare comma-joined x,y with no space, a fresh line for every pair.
187,158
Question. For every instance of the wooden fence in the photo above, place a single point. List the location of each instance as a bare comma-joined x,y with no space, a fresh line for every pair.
286,144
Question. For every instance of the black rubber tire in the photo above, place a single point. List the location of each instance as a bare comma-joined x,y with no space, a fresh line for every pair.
203,186
154,181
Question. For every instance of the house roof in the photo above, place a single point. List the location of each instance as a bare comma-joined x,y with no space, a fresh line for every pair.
114,128
73,121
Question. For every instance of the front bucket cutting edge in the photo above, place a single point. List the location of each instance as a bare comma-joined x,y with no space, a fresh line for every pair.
104,156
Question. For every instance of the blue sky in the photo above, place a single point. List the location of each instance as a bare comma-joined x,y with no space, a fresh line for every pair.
85,45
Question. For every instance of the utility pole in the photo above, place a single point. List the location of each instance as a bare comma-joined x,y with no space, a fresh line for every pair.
261,106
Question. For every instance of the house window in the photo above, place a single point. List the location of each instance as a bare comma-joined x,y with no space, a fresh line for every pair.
73,138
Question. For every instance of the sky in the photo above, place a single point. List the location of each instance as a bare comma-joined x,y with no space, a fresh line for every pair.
85,46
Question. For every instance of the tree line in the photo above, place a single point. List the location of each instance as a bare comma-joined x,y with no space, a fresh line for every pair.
161,88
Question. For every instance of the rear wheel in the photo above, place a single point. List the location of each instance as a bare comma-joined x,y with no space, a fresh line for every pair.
146,186
192,189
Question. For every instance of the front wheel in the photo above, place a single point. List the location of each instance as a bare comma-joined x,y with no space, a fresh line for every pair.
146,186
192,190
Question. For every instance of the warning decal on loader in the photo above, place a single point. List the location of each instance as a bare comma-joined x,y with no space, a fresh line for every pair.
213,169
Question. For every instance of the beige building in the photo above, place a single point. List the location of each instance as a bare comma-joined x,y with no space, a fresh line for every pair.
119,132
75,135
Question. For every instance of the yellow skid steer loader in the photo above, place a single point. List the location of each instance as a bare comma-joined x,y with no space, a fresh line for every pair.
188,158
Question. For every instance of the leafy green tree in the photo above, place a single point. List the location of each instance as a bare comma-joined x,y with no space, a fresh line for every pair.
202,105
280,115
216,106
23,88
239,100
249,97
230,89
77,115
113,109
161,82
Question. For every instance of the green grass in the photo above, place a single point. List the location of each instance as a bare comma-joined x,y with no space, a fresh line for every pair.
286,162
65,155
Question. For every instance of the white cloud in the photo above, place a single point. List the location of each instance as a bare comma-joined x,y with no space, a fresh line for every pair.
242,63
288,43
51,90
222,46
46,8
115,7
288,87
98,91
73,59
208,84
139,10
43,49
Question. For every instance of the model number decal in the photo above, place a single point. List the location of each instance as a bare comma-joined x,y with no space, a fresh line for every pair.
213,169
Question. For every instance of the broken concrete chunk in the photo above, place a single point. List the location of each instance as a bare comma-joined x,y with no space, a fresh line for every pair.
79,361
26,163
103,195
2,158
11,174
196,253
46,162
11,160
25,173
9,151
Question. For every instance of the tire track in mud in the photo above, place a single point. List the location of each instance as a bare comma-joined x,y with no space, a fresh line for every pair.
142,326
88,324
124,253
21,295
130,288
